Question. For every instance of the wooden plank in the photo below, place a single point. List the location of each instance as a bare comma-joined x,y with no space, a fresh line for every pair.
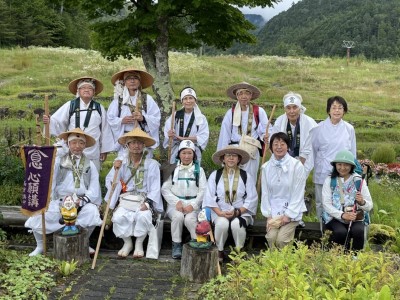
12,216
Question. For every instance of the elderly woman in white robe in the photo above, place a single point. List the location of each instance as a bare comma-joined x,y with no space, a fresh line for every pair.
245,124
231,195
282,200
132,108
297,125
189,124
328,138
184,192
137,190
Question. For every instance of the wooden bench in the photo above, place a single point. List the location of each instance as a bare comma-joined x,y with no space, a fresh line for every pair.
11,216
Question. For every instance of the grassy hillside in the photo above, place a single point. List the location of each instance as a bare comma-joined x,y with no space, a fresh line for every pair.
371,88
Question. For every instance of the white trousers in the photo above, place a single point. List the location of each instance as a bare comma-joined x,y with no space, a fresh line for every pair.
221,232
177,221
128,223
88,216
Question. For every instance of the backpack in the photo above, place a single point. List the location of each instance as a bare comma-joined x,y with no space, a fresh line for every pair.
243,175
256,114
75,108
357,183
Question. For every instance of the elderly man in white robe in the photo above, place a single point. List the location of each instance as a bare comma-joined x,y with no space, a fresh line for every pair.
87,114
231,195
245,124
76,176
282,200
137,192
190,124
184,191
132,108
297,126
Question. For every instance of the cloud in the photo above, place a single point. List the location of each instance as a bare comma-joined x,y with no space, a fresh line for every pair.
270,12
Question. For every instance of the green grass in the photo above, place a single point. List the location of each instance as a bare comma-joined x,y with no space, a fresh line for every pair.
371,89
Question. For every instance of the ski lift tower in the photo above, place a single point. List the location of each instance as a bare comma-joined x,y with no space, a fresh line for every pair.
348,45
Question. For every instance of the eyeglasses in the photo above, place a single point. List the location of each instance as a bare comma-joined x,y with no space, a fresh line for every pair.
248,93
231,155
86,88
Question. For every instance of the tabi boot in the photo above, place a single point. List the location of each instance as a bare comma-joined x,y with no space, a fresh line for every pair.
176,250
39,244
127,248
139,253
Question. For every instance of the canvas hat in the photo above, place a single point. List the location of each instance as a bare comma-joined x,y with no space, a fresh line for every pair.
90,141
231,91
146,79
219,155
344,156
139,134
73,85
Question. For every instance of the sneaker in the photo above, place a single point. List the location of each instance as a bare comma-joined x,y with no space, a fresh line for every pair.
176,250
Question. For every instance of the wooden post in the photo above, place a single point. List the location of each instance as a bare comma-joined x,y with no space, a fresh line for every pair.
68,247
199,265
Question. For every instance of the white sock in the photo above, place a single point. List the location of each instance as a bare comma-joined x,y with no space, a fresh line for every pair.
39,244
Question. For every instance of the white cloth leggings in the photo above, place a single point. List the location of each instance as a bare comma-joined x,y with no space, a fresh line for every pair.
177,221
221,232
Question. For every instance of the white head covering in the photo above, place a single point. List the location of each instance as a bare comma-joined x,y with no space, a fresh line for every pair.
75,136
83,82
293,98
188,91
187,144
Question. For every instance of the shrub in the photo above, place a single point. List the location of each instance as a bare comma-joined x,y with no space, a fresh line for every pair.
309,272
384,154
11,167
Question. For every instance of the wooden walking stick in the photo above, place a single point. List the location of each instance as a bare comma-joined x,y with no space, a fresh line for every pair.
113,185
265,149
171,139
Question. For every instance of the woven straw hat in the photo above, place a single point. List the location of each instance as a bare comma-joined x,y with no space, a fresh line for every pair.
89,140
231,91
146,79
73,85
233,149
139,134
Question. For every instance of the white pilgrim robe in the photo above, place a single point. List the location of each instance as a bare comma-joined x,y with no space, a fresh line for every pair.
152,116
306,124
124,220
202,134
98,128
283,188
328,139
230,134
89,214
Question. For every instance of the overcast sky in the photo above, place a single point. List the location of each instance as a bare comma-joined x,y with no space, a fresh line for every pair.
269,12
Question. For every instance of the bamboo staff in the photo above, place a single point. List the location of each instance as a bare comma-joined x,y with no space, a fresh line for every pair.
47,142
113,185
265,149
171,139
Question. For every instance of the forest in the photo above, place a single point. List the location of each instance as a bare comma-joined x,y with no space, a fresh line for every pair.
313,28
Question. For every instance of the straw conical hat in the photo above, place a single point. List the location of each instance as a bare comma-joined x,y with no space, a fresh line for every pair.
138,134
89,140
146,79
231,91
233,149
73,85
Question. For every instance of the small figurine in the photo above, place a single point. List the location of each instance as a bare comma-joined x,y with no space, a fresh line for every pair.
69,212
203,232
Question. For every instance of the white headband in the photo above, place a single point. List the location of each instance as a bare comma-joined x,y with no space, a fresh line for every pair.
187,144
76,136
292,98
188,91
84,82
